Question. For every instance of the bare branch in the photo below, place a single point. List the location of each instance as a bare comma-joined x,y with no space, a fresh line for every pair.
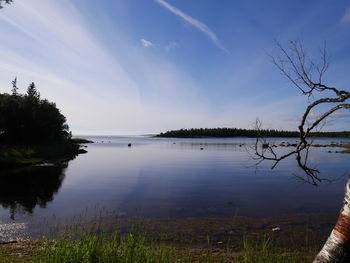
306,75
297,68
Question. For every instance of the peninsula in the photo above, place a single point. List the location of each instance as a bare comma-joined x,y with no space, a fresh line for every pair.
33,131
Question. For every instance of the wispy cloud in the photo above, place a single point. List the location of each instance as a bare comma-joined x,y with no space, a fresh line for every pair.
170,46
146,43
114,91
97,91
194,22
346,16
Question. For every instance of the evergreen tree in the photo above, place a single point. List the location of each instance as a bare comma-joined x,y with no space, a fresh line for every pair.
29,119
32,91
14,87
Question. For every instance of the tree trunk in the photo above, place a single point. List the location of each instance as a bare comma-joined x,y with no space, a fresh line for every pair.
335,248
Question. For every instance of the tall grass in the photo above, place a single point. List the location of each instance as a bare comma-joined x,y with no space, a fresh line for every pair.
132,248
265,252
104,248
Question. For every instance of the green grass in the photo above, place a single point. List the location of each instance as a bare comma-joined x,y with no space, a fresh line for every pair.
20,156
104,248
87,242
12,156
132,248
81,140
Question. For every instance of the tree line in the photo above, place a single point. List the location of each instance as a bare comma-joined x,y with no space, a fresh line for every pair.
236,132
26,118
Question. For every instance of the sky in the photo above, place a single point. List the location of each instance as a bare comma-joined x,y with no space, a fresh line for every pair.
118,67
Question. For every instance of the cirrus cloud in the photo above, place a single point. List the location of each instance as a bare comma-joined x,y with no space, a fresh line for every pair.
195,23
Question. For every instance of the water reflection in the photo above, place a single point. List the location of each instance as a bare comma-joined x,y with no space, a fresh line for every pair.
24,189
163,178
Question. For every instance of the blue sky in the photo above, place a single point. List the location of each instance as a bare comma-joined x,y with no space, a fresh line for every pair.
146,66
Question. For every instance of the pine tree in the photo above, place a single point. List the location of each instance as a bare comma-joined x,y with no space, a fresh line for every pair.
32,91
14,87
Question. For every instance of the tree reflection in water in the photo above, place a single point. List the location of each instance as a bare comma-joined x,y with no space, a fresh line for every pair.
23,189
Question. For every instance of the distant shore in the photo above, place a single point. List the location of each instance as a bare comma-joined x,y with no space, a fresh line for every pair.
250,133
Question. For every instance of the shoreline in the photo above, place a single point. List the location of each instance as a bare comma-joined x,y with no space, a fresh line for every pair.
214,237
14,156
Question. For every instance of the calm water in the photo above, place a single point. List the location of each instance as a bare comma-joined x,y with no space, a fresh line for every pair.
159,177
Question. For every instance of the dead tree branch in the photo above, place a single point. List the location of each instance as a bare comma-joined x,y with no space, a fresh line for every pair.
308,76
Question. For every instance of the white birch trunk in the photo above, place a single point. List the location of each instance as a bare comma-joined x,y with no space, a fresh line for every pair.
334,248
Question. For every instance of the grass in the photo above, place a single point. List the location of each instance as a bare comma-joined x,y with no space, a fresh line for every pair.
12,156
265,251
133,248
19,155
104,248
96,241
81,140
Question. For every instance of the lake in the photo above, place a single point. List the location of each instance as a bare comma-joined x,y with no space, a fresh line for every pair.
172,178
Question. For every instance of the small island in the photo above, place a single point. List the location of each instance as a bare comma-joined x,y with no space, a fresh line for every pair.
33,131
250,133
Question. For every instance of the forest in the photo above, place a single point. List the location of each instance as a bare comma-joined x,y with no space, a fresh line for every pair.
26,118
236,132
33,130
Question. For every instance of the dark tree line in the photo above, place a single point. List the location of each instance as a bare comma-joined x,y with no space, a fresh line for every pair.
26,118
235,132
